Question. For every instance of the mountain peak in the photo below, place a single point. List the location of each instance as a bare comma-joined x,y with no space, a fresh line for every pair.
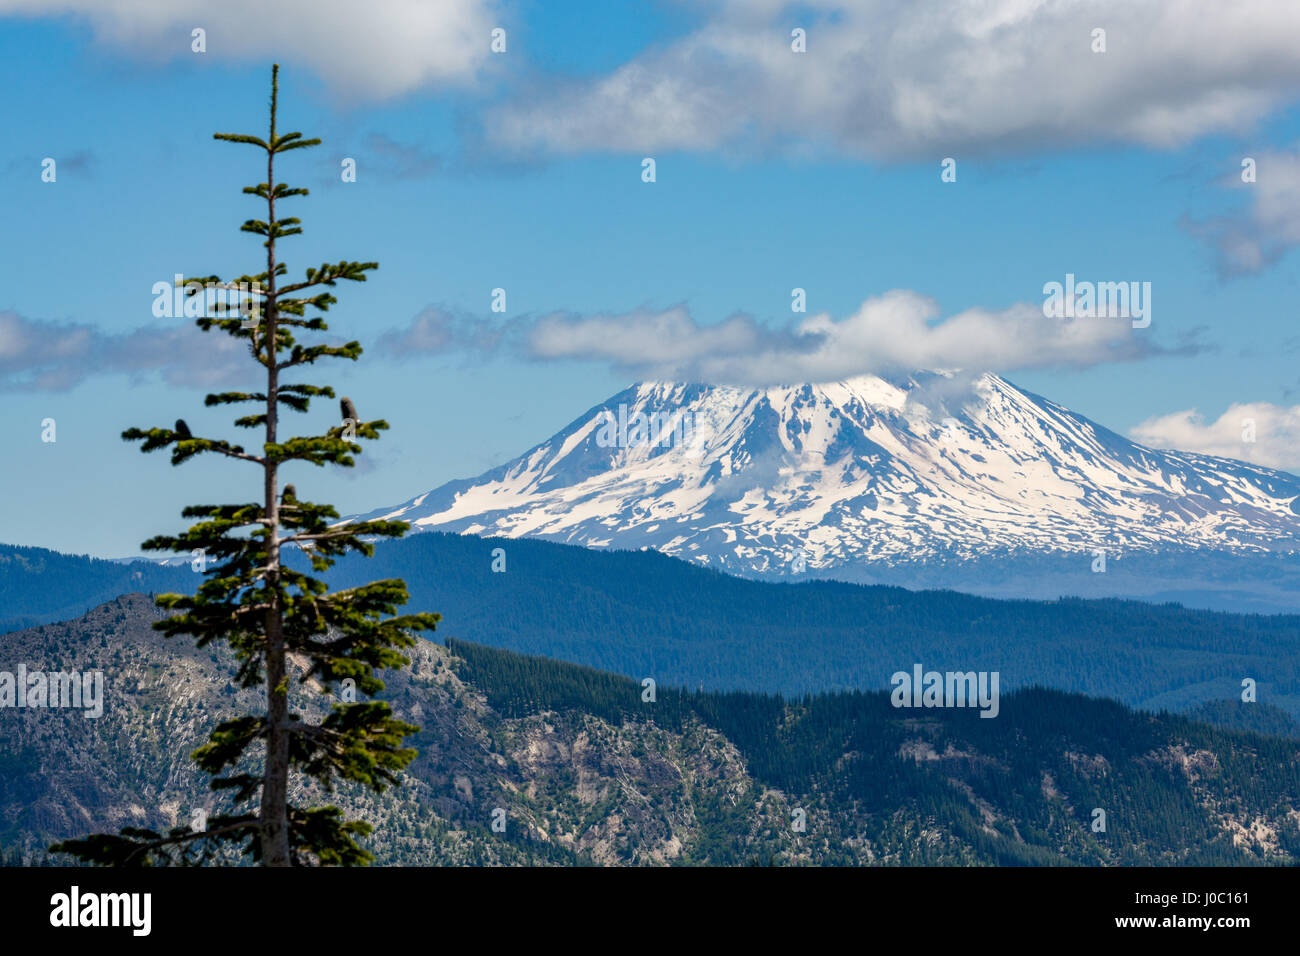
868,470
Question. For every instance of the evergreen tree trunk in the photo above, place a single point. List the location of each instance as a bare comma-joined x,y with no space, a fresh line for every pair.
275,782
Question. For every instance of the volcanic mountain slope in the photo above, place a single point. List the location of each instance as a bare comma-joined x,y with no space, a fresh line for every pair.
865,473
587,770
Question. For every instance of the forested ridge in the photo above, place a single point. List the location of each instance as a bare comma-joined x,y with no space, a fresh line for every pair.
644,614
1046,762
583,770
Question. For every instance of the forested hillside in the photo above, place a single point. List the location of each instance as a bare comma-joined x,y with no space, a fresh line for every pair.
580,767
1019,788
38,585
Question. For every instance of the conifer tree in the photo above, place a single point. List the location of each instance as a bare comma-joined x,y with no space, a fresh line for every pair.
259,603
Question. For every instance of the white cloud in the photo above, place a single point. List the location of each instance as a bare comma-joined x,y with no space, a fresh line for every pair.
895,331
927,80
376,49
1275,429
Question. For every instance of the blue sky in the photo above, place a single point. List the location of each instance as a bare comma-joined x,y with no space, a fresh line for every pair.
523,171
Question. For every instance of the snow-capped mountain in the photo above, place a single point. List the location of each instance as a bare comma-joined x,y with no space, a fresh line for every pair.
865,472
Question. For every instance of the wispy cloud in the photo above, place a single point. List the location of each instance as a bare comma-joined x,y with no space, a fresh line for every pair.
443,329
394,160
1261,232
900,330
1258,432
37,355
80,162
927,80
